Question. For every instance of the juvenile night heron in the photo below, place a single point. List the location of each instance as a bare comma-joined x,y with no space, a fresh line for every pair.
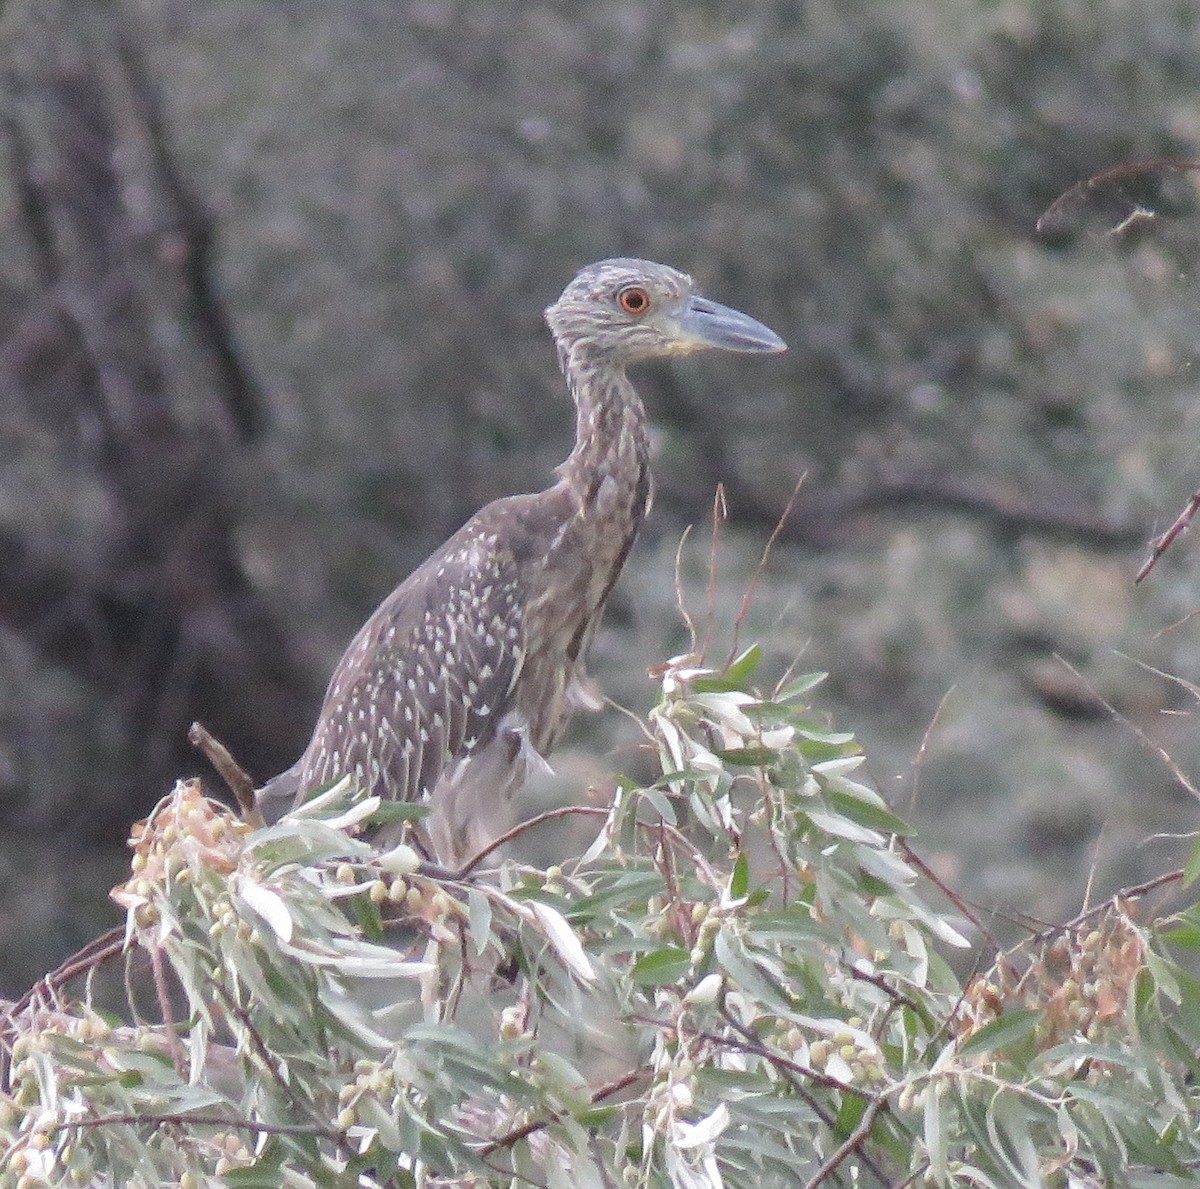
464,678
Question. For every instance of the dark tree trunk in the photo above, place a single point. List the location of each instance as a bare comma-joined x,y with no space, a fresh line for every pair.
120,346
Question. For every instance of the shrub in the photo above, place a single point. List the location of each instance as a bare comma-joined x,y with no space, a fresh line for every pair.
741,982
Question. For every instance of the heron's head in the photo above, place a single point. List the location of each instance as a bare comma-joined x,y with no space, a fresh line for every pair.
624,311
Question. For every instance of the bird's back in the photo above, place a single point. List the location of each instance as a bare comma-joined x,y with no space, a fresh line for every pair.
467,673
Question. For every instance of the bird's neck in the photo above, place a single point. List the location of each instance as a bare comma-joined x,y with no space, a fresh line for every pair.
610,434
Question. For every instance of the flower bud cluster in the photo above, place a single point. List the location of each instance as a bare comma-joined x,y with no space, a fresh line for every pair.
673,1094
845,1051
374,1083
186,837
232,1152
1079,982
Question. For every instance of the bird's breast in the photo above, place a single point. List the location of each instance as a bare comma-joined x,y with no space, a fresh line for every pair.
584,558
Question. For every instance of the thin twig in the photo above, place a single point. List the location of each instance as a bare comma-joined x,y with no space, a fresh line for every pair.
682,919
1141,735
876,980
720,513
526,1129
1161,544
753,1047
436,872
922,751
270,1062
848,1145
693,852
792,1070
1091,876
1189,687
164,1006
91,956
680,601
1134,893
1174,627
915,859
230,771
764,557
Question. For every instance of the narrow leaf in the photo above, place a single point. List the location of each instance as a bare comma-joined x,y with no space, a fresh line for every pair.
659,967
747,757
270,906
1002,1032
1191,869
563,941
739,881
479,913
799,686
745,664
867,814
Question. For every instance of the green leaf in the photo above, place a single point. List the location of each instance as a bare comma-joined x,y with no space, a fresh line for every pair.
1001,1033
659,967
864,813
680,775
799,686
739,881
1191,869
714,685
745,664
631,888
368,917
662,805
1164,975
747,757
816,734
733,959
479,913
398,811
260,1175
1185,935
1189,1008
852,1108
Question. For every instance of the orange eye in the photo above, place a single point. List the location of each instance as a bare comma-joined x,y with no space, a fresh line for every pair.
633,299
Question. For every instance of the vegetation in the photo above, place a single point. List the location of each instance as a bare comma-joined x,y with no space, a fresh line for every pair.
743,981
270,304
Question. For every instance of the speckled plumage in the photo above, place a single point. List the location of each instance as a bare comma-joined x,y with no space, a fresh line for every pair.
468,672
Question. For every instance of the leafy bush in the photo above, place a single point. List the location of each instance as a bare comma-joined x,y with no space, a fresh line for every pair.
740,983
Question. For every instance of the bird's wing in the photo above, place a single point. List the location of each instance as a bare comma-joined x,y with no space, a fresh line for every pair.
425,681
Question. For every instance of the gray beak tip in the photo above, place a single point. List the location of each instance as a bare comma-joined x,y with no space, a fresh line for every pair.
707,324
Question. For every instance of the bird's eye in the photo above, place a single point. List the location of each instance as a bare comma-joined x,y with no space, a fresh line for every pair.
633,299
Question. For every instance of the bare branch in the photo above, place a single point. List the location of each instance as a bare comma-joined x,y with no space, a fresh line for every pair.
1162,543
235,778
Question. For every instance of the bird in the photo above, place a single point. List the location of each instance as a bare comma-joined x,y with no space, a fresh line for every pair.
463,679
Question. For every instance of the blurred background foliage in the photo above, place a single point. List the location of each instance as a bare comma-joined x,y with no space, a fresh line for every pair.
270,290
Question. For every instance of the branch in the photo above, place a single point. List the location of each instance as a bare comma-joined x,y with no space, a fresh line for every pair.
230,771
183,1120
1134,893
563,811
91,956
823,516
851,1142
83,961
1161,544
526,1129
1141,736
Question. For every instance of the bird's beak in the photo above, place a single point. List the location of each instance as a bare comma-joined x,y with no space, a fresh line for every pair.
703,323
